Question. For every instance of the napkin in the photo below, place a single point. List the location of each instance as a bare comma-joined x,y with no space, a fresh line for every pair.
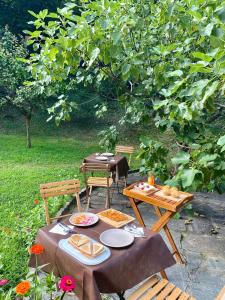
59,230
137,232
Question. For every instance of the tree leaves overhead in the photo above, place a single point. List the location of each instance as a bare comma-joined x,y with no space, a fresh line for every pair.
166,59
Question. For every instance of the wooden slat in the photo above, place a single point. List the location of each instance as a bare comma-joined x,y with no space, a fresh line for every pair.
75,182
124,149
60,188
155,290
184,296
221,295
165,292
99,181
95,167
143,288
175,293
59,193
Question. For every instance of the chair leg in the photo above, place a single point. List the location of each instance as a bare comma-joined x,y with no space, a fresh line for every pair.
107,205
89,198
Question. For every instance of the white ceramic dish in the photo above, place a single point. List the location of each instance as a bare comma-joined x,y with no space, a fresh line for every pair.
116,238
101,158
65,246
107,154
94,220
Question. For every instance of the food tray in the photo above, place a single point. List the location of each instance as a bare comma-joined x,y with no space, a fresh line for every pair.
182,196
75,253
114,223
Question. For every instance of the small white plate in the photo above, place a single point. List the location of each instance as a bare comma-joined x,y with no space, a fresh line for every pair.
116,238
108,154
94,217
75,253
101,158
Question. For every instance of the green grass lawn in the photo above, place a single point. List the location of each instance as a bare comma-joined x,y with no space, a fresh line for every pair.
52,158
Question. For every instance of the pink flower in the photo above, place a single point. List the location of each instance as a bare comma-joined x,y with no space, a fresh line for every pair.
67,283
3,282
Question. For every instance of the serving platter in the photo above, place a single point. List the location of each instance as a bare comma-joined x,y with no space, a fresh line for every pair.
75,253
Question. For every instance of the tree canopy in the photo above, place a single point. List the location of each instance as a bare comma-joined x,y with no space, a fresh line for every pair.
167,61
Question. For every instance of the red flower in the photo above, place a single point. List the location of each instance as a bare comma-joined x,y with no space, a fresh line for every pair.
36,249
36,201
67,283
23,287
3,282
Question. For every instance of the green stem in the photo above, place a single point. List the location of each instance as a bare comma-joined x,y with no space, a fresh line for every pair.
35,280
62,295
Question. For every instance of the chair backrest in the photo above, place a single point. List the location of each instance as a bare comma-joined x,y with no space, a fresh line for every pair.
125,149
95,167
52,189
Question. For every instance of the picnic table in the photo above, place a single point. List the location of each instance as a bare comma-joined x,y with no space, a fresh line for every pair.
118,164
125,268
171,207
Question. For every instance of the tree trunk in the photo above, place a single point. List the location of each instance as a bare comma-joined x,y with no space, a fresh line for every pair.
28,118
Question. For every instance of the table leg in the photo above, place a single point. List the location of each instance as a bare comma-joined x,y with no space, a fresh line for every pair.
137,212
169,235
163,274
121,295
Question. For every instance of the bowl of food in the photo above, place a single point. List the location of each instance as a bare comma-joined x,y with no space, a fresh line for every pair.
83,219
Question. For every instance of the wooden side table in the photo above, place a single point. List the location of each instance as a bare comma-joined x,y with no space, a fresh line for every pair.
169,206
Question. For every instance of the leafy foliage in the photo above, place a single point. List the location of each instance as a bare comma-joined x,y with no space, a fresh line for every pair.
165,58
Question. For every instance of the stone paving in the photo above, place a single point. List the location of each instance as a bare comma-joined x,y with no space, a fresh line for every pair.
201,241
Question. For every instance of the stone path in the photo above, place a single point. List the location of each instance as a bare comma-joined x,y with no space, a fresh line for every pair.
201,241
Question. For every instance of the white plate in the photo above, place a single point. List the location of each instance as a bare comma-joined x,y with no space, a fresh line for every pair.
101,158
68,248
108,154
116,238
94,216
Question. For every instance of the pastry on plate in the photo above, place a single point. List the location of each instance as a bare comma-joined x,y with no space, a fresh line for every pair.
78,240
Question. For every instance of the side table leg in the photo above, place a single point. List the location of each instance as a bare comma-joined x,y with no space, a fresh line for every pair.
170,238
137,212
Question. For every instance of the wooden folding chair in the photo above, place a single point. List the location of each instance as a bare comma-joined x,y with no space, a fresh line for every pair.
97,181
125,150
161,289
52,189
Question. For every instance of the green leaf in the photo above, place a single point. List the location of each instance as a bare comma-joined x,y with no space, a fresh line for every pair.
188,176
207,30
181,158
33,13
210,90
221,141
116,37
202,56
94,55
174,73
206,159
195,68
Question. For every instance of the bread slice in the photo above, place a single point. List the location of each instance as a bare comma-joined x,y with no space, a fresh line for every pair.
91,249
78,240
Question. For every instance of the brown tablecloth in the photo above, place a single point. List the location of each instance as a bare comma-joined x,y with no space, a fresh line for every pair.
119,166
124,269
